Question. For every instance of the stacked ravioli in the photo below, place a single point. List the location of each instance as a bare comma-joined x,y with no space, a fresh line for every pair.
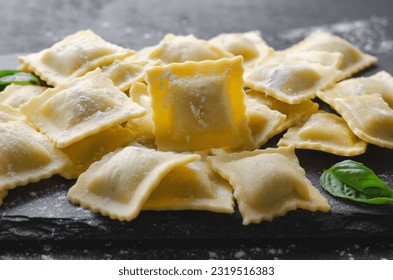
171,127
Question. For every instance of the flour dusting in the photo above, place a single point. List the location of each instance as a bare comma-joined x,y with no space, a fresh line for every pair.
240,254
367,34
213,255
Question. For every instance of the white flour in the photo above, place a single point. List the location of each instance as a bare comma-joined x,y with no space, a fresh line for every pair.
240,254
367,34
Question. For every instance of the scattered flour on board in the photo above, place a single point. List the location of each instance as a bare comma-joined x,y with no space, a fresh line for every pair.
240,254
367,34
213,255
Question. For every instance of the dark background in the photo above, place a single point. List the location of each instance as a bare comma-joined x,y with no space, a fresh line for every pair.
30,26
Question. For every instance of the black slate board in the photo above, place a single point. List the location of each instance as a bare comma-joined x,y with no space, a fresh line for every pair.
41,211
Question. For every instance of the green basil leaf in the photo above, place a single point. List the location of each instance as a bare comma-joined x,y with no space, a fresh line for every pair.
17,77
339,189
361,178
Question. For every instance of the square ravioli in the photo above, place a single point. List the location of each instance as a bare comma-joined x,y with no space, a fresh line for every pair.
193,186
178,49
83,153
199,105
80,108
142,57
15,95
268,183
371,121
324,132
72,57
380,83
290,79
249,45
123,73
332,59
294,113
27,156
262,121
121,182
353,59
368,116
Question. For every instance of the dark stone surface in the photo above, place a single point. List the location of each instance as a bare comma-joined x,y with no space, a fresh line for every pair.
303,249
37,221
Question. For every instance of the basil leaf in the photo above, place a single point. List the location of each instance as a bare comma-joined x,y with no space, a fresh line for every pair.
337,188
17,77
361,178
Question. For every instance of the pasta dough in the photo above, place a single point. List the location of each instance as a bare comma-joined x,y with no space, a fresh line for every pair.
250,45
72,57
368,116
366,104
332,59
353,59
93,148
141,57
199,105
185,48
294,113
15,95
262,121
121,182
80,108
290,79
123,73
380,83
268,183
26,156
142,127
324,132
8,114
193,186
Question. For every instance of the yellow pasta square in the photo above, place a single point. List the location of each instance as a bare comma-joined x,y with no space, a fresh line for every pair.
80,108
27,156
199,105
72,57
